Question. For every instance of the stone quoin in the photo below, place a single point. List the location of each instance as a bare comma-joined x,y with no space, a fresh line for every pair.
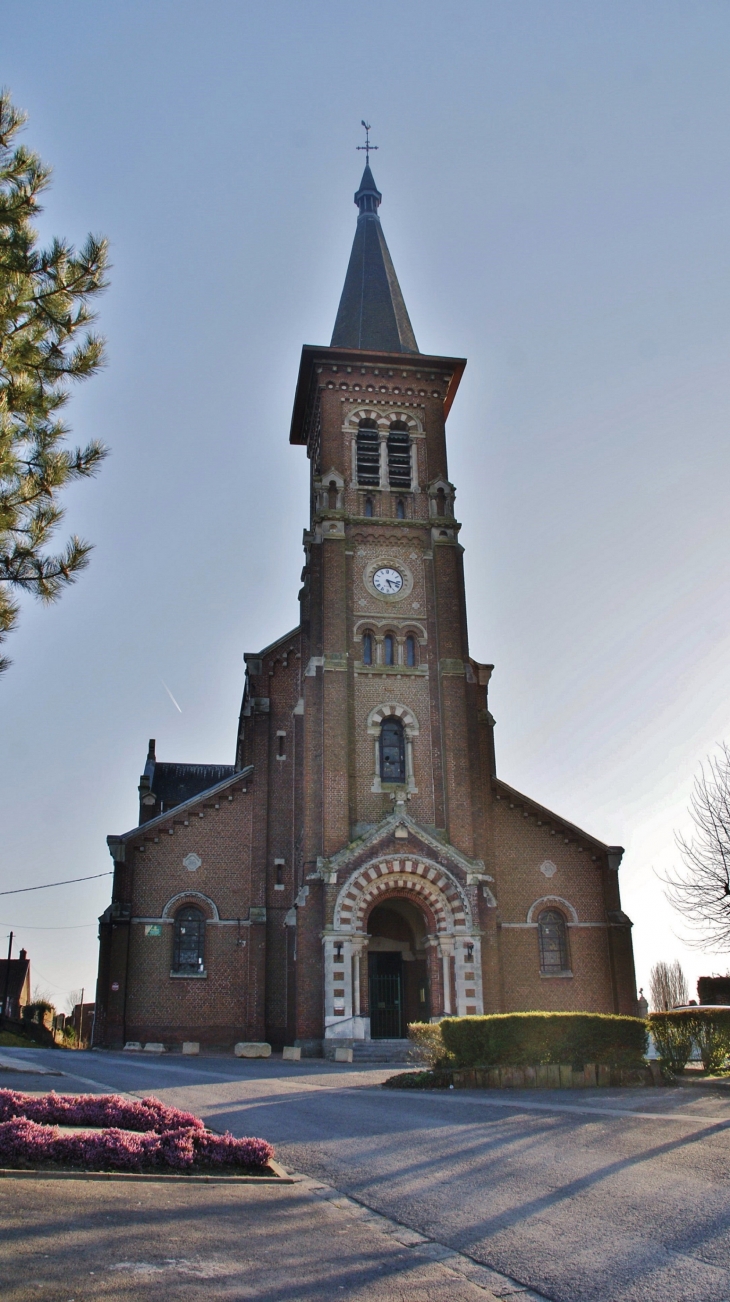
360,865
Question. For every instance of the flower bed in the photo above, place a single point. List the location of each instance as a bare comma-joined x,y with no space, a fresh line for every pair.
134,1136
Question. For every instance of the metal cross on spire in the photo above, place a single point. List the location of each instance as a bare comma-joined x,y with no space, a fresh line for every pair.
367,146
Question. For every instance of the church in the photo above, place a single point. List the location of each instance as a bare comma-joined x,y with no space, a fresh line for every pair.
360,865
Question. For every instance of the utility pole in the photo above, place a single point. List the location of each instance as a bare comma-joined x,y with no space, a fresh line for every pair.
7,978
81,1014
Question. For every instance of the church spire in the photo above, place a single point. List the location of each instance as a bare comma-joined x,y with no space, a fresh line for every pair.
372,314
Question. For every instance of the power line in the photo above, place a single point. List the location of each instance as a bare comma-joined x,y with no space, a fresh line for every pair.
63,990
21,889
19,926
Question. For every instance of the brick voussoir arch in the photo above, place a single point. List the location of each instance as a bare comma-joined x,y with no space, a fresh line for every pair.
383,711
551,902
383,418
195,898
420,879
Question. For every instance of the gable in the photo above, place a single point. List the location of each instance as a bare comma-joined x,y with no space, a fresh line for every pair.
401,835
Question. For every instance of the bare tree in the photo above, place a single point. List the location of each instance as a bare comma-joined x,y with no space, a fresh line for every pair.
700,888
43,996
72,999
667,986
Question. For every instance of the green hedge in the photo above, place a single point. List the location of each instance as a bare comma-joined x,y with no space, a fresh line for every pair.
526,1039
675,1032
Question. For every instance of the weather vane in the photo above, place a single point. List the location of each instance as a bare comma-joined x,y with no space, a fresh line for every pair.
367,146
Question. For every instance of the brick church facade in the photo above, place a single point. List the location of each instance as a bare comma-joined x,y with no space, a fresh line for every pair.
360,865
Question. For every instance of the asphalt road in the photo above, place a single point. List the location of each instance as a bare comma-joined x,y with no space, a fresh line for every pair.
582,1196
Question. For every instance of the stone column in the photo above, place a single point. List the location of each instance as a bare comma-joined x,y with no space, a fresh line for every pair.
435,982
446,949
384,472
358,946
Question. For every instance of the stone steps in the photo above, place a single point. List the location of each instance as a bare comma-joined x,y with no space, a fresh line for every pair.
380,1050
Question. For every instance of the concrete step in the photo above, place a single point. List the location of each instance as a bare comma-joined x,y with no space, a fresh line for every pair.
380,1050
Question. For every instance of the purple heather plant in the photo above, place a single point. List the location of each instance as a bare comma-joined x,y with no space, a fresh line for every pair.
96,1110
141,1135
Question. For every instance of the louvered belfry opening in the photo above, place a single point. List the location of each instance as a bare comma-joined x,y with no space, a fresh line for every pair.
399,455
368,454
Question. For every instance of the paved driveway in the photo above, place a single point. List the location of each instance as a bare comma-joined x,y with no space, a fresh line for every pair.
612,1196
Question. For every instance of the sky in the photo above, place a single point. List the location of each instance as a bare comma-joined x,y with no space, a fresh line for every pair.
556,199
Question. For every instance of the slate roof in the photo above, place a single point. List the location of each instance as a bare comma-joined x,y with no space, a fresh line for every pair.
147,827
173,784
372,312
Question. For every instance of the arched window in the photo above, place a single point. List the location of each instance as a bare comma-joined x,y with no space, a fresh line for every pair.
189,941
368,506
392,751
553,939
399,455
389,649
367,648
332,495
410,650
368,453
400,509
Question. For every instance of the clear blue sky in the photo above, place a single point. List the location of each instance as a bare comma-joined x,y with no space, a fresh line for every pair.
556,187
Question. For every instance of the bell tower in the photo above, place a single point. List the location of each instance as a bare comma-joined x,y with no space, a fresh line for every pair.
394,709
383,607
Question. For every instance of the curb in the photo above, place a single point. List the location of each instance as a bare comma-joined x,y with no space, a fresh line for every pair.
279,1176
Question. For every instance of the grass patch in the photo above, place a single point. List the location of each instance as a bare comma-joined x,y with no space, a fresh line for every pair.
8,1040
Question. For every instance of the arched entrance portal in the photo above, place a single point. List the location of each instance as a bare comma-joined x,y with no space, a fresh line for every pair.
395,921
398,987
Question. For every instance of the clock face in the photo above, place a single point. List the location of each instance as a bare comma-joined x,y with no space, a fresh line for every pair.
387,581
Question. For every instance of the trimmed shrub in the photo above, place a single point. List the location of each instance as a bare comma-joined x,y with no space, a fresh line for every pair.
676,1032
528,1039
427,1044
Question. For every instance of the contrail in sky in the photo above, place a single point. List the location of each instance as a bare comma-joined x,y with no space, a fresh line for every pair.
169,693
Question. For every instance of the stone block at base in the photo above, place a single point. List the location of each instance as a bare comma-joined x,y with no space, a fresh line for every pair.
252,1049
191,1046
291,1053
343,1054
153,1046
133,1046
309,1048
